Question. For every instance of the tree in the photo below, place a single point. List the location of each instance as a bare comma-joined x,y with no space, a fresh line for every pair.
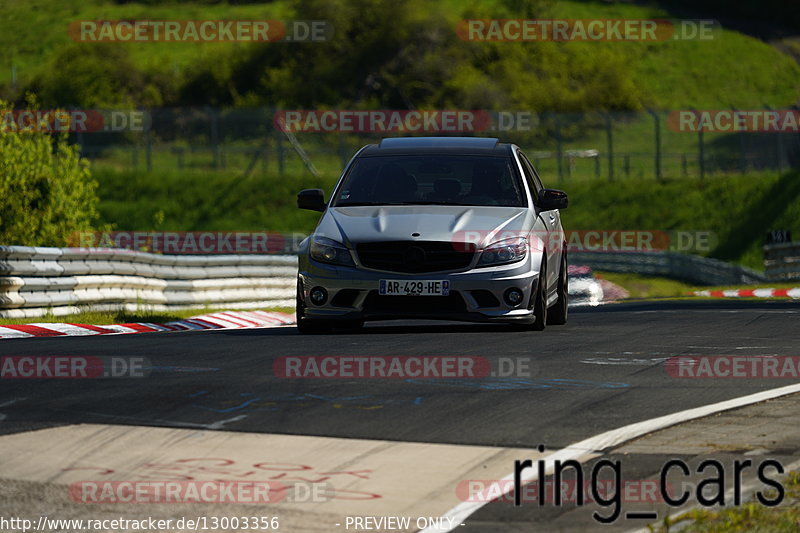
46,190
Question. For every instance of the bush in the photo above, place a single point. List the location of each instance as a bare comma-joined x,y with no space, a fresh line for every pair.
46,189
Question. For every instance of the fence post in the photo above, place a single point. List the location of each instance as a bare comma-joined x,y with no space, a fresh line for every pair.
342,150
742,157
701,148
778,147
558,148
657,125
214,123
702,153
148,150
281,161
610,144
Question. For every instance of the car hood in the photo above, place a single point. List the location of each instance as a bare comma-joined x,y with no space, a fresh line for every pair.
480,225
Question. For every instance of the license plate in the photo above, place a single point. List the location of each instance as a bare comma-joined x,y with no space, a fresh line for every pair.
419,287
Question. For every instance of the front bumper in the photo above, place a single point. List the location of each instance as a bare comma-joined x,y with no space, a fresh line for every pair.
476,295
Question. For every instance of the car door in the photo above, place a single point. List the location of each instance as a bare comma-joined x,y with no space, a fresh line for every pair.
551,221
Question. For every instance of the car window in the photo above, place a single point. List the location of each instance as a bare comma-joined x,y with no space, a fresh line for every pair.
530,176
431,179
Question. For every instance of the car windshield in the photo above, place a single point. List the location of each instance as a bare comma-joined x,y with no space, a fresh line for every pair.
431,180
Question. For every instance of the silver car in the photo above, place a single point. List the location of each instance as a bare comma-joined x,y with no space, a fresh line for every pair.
434,228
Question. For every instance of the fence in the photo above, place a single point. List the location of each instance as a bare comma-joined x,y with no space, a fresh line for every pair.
782,261
590,145
37,281
689,268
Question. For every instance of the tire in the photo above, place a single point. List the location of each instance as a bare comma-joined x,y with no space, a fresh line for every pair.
557,315
540,300
307,326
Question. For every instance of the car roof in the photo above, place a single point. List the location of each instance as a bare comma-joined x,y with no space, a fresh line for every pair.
487,146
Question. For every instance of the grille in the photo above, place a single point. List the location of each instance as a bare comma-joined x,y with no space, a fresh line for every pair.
375,304
413,257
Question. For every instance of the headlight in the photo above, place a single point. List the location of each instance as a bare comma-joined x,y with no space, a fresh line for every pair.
327,250
506,251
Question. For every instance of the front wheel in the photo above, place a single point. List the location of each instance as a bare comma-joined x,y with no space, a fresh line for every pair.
557,315
540,300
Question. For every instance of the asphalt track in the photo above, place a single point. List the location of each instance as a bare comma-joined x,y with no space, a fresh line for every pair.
603,370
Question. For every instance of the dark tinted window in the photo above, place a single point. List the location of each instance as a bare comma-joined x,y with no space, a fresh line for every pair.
432,179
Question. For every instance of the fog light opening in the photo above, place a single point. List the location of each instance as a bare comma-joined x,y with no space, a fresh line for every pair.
513,296
318,295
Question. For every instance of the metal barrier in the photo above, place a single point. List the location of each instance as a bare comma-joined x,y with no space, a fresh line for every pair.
38,281
782,261
689,268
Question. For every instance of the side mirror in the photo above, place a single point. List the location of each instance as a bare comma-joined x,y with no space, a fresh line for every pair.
312,199
550,199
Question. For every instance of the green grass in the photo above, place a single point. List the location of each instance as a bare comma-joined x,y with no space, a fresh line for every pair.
639,286
195,200
647,286
738,209
122,317
731,70
32,30
751,517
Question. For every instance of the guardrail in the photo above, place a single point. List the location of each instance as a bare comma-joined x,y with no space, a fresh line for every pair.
782,261
36,281
689,268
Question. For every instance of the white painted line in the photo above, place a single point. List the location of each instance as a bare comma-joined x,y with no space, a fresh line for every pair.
610,439
219,424
3,416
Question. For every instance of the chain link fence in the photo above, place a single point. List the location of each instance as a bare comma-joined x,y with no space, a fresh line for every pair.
565,146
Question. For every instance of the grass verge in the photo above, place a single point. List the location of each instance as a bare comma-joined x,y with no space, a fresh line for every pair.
639,286
747,518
